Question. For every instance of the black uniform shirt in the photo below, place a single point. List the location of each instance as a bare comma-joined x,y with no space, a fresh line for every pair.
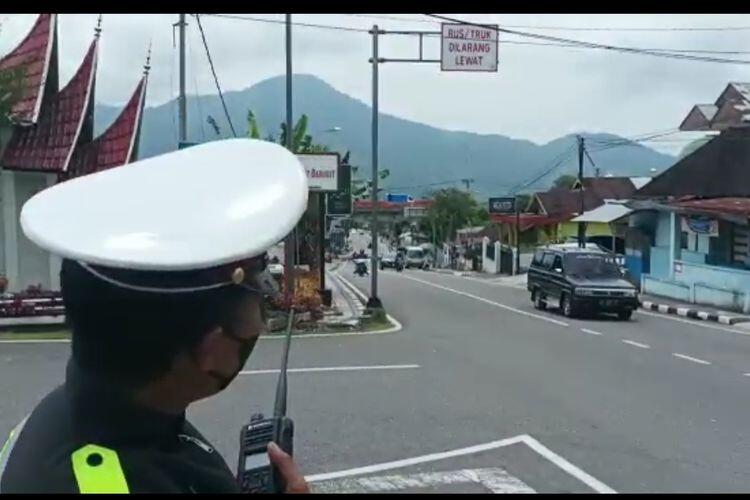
87,437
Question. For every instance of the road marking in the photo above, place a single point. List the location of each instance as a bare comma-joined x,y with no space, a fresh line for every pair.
529,441
495,479
415,460
689,358
691,322
592,332
568,467
490,302
637,344
331,369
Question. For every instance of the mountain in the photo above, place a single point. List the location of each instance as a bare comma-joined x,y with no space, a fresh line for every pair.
420,157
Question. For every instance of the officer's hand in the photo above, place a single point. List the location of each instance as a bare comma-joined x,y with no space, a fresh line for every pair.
294,481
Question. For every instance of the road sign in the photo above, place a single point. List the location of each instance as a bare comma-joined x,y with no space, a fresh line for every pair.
398,198
503,205
340,202
467,47
322,170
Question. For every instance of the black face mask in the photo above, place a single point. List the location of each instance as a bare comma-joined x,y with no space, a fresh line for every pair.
246,347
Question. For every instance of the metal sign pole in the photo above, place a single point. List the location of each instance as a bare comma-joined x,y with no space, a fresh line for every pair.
374,301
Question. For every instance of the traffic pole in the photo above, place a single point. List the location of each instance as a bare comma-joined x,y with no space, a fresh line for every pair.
374,302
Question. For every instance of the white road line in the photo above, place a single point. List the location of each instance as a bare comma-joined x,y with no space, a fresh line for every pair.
746,374
637,344
689,358
702,324
568,467
331,369
592,332
415,460
529,441
495,479
490,302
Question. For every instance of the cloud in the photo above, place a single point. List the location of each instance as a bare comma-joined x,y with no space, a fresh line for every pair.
539,92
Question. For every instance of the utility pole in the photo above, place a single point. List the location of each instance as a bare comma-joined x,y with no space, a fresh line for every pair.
181,100
374,302
290,241
581,225
518,235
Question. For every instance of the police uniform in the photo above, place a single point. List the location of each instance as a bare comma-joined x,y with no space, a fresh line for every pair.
187,221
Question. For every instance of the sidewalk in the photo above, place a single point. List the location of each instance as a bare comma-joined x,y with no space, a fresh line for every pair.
695,311
346,307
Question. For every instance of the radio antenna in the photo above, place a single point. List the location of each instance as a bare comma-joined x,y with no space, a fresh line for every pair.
279,409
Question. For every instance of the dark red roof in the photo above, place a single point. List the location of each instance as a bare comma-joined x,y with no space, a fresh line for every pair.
118,144
48,146
738,206
563,201
33,56
610,188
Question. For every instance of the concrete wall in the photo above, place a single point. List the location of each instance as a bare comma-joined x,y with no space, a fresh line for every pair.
490,265
24,262
33,262
660,262
683,274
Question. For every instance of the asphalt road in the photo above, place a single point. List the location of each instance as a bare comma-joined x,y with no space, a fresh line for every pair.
481,392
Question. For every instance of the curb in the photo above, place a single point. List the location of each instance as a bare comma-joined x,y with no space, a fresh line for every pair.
693,313
363,299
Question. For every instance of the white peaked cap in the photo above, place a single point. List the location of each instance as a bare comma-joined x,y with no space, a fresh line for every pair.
209,205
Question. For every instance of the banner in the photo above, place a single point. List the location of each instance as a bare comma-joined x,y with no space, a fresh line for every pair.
697,224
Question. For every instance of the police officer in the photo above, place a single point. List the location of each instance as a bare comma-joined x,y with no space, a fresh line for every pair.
163,278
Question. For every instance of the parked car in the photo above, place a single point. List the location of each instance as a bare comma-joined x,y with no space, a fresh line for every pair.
579,280
389,260
415,257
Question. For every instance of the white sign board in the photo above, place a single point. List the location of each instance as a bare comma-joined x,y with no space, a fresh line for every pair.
322,171
466,47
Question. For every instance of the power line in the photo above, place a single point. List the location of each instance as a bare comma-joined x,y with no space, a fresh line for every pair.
502,40
213,71
593,45
572,28
199,108
295,23
557,161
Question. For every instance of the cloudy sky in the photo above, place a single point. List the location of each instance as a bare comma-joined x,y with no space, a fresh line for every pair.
540,92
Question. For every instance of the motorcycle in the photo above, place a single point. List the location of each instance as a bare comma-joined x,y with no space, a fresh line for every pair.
399,265
360,268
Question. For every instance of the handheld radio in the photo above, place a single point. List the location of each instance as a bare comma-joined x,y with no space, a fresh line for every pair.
255,472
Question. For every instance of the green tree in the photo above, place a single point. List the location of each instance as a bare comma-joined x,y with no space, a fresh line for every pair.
565,180
452,209
302,142
362,186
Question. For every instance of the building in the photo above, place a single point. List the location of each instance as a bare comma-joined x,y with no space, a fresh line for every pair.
50,139
551,215
692,222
